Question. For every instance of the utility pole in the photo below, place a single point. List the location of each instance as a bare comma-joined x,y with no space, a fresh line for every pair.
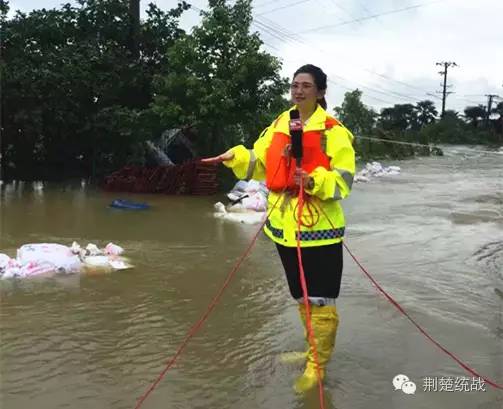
446,65
490,98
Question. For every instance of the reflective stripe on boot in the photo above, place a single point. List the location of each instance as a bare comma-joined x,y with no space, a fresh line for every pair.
324,321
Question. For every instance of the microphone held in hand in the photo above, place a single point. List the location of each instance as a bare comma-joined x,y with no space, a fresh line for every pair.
296,135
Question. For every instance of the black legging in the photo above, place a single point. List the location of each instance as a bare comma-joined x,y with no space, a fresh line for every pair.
322,268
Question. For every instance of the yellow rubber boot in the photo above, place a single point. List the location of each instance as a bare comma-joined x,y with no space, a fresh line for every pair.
324,321
293,357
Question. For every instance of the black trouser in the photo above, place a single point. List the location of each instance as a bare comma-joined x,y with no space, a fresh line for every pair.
322,269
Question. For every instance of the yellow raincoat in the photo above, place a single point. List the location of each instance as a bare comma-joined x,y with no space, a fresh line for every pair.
330,186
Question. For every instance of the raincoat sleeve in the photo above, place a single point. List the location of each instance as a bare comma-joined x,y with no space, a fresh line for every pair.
250,163
336,183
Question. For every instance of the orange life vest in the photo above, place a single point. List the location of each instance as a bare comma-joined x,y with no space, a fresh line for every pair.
280,164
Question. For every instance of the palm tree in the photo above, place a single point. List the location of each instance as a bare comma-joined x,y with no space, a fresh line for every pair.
399,117
475,114
426,112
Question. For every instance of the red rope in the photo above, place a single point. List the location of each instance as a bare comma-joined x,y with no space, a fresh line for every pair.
311,338
231,275
209,309
419,327
201,321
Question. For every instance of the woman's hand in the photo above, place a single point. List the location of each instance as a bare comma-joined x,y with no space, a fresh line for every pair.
229,155
307,181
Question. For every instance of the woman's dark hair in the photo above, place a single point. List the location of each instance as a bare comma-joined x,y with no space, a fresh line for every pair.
320,79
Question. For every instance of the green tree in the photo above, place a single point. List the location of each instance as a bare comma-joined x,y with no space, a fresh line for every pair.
475,114
499,109
220,81
400,117
355,115
451,114
70,81
426,113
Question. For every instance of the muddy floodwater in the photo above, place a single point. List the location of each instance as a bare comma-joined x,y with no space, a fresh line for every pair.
432,237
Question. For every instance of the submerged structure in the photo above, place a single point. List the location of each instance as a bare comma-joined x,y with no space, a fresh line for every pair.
171,168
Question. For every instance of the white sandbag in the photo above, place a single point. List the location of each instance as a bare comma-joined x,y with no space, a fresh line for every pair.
56,254
240,186
252,186
361,178
119,264
246,217
256,202
12,272
93,250
51,258
113,249
75,248
4,260
375,169
12,269
37,268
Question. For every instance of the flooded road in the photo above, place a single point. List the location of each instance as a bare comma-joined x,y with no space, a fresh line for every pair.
432,237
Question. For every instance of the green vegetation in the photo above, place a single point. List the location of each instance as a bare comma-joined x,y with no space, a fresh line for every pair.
84,86
80,94
416,124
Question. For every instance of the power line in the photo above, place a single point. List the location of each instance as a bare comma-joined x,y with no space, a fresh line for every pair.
265,3
338,84
283,35
343,9
370,17
295,37
280,33
280,36
400,82
283,7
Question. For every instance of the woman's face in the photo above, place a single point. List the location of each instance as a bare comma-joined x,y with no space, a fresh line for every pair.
304,92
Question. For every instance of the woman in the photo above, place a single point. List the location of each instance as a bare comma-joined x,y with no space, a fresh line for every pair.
328,166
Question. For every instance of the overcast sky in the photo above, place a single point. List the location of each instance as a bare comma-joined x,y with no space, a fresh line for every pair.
391,58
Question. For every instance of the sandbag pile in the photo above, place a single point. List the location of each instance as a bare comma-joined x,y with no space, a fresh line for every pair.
375,169
247,203
51,258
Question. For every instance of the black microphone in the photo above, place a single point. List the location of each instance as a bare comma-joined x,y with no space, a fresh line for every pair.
296,135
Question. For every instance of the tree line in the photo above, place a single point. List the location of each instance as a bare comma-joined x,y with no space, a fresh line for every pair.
77,99
417,123
83,88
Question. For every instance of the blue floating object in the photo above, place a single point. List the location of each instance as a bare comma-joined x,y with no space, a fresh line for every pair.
128,205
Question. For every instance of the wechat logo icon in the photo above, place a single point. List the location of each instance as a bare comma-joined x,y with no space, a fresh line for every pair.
403,383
